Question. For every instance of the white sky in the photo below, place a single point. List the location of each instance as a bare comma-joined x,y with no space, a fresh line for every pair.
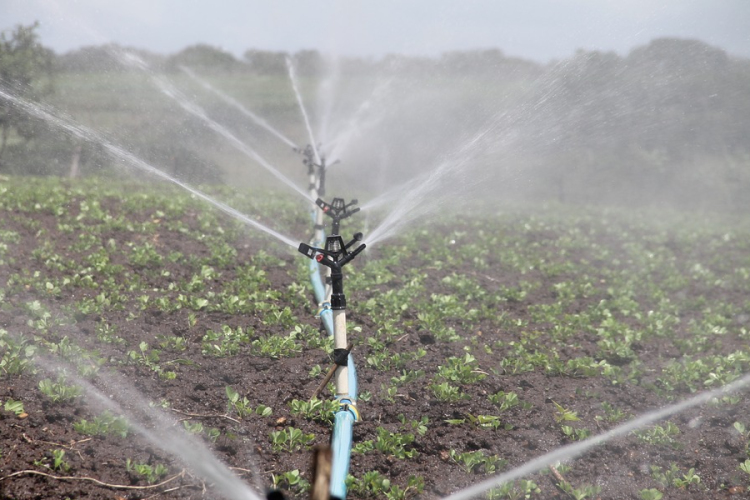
534,29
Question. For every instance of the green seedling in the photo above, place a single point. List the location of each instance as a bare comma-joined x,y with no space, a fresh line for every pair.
59,391
290,480
151,473
580,493
472,462
374,484
485,421
58,461
650,494
447,393
575,434
276,347
104,424
14,406
290,439
564,414
523,489
389,443
461,370
661,436
418,426
315,409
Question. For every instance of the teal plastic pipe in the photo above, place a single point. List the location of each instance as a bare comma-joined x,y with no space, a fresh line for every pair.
341,446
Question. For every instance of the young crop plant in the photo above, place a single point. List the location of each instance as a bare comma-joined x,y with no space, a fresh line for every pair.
447,393
390,444
104,424
316,409
290,439
461,370
661,436
507,400
16,354
291,480
523,489
226,342
650,494
418,426
151,473
474,461
374,485
580,493
150,359
59,391
275,346
242,406
13,406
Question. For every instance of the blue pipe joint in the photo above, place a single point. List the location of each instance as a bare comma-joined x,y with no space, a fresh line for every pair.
346,404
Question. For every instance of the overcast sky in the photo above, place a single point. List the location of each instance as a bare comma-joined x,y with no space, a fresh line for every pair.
535,29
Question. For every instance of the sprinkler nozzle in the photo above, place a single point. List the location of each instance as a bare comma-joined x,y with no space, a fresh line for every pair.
338,210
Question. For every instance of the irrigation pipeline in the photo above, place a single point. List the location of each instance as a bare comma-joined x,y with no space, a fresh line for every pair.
333,319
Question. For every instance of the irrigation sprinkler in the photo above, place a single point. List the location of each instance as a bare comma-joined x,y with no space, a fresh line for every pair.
335,255
338,210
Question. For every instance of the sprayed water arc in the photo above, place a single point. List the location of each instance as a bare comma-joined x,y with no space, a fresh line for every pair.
89,135
171,91
240,107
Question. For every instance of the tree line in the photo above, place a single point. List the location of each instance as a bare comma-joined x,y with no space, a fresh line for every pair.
667,122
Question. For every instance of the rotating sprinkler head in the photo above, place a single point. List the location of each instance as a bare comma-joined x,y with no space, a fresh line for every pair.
338,210
335,255
314,170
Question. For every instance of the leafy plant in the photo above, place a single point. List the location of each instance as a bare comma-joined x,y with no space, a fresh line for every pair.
151,473
290,439
374,484
59,391
650,494
472,461
315,409
290,480
661,436
104,424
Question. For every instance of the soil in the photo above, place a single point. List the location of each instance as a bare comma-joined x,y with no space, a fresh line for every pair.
97,464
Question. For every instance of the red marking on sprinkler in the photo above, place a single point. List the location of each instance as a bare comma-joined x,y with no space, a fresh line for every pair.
319,257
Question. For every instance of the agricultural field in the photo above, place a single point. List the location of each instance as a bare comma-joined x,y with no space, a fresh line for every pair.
482,341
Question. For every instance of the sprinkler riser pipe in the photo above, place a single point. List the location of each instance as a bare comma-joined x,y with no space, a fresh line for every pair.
340,342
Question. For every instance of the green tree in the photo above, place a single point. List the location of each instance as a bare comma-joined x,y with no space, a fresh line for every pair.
26,68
